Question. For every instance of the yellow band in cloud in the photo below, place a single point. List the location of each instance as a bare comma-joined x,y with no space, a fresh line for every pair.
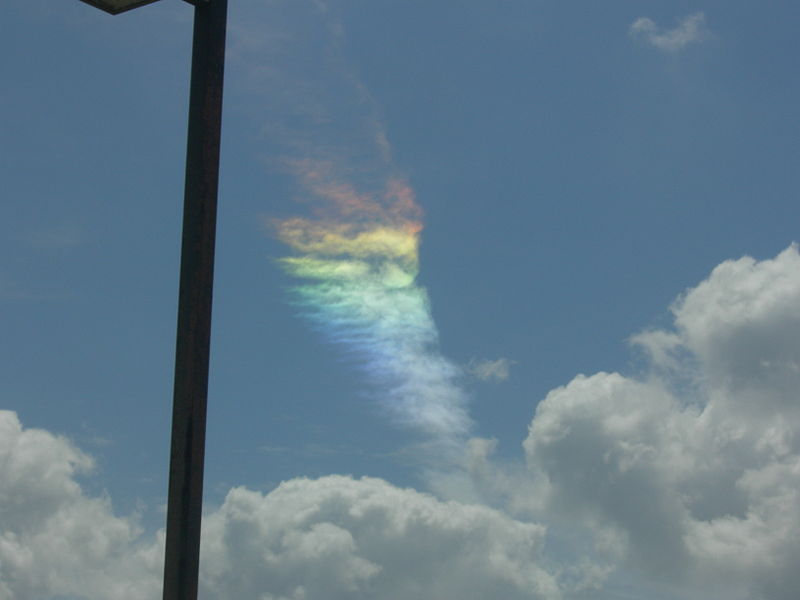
346,239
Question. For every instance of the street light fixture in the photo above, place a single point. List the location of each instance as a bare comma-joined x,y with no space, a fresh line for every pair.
117,6
184,507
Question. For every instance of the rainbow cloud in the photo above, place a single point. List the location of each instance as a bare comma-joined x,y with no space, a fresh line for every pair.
360,258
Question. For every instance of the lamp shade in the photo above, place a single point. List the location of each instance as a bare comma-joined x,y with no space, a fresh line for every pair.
117,6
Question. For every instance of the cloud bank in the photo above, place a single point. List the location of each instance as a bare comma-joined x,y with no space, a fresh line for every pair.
338,538
326,539
687,477
692,474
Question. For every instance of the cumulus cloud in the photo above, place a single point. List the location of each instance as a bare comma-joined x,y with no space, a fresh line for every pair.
690,30
55,540
341,538
491,370
687,476
326,539
692,473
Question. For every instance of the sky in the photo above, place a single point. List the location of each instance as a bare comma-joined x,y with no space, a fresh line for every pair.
505,306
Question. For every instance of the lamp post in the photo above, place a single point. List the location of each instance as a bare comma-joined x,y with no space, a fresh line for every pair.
181,561
117,6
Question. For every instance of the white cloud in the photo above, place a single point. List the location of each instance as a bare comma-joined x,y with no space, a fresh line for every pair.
336,538
326,539
688,479
691,29
491,370
55,540
700,485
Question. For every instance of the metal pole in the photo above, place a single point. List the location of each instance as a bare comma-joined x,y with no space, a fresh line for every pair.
181,563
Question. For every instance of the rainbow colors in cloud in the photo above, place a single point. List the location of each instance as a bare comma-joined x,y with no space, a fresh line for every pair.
359,256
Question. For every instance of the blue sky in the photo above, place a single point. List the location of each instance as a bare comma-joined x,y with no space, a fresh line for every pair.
583,169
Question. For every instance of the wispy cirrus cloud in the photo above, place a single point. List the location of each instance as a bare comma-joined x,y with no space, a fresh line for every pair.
354,245
690,30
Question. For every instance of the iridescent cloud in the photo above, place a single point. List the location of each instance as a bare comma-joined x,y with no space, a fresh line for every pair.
359,256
